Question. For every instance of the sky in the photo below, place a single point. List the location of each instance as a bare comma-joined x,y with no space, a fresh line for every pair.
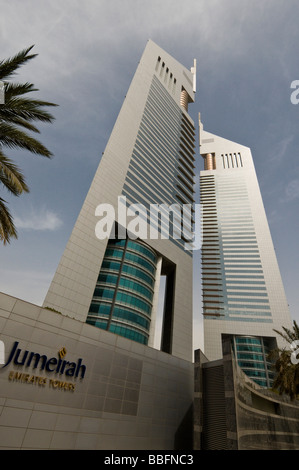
247,59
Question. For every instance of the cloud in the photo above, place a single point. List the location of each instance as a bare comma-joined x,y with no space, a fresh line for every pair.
43,219
281,148
291,191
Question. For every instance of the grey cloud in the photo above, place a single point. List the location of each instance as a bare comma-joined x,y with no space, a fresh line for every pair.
42,219
291,191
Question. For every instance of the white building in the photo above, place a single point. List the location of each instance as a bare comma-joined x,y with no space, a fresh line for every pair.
243,293
149,159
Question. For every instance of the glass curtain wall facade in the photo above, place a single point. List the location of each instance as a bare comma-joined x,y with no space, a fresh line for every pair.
123,297
251,355
242,290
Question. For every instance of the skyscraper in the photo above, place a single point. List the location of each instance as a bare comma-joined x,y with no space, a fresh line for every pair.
243,294
147,167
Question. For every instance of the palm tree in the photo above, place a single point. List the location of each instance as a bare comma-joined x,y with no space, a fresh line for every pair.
17,115
287,369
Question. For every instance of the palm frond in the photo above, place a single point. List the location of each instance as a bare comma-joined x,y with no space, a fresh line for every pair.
10,117
7,227
17,115
287,335
296,329
28,109
11,177
16,89
12,137
8,67
287,374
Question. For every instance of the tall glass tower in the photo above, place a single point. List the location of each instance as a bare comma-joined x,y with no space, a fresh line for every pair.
243,294
112,282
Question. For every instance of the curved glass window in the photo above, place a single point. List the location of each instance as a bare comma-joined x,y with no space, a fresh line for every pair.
103,293
140,260
245,340
113,253
137,287
138,273
111,265
132,300
98,323
103,309
107,278
256,373
252,365
249,355
130,316
128,333
249,348
124,290
142,249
